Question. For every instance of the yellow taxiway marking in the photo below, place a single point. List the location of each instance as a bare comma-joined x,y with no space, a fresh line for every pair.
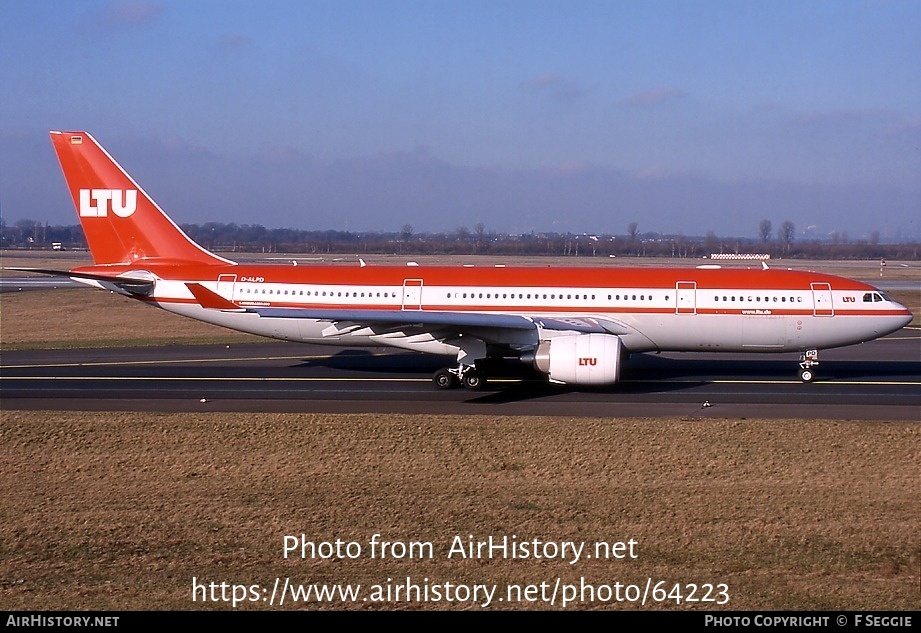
227,379
794,381
176,361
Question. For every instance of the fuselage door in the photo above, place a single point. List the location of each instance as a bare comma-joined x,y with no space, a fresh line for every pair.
686,297
225,284
412,294
821,299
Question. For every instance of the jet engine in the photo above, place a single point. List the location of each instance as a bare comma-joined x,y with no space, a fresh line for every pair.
580,359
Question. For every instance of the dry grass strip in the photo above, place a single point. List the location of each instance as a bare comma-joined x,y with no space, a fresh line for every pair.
119,511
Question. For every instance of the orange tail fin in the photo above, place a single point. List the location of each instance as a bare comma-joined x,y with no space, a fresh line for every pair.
121,222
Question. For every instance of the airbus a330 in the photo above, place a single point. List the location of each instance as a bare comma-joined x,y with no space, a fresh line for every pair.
571,325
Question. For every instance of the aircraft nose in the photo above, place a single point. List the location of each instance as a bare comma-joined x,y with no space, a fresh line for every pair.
903,319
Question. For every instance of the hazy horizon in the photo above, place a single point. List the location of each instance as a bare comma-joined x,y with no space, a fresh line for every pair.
524,116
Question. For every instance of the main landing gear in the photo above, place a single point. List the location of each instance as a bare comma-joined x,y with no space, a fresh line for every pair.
465,375
808,360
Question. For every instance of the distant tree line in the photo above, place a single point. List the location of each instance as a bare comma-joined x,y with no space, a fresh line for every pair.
232,237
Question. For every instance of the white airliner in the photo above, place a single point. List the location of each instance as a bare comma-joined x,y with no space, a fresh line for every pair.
573,325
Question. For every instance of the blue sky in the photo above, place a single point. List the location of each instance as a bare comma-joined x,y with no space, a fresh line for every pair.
683,116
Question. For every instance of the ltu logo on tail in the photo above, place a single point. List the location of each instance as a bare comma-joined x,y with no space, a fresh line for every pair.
94,203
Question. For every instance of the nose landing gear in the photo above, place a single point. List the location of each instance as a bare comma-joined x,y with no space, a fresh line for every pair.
808,360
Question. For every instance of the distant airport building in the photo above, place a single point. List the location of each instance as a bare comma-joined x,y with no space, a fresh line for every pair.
747,256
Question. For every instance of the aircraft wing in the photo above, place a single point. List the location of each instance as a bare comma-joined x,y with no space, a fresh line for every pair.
409,318
504,330
585,325
440,324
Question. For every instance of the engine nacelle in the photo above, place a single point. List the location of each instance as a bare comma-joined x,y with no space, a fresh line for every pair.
580,359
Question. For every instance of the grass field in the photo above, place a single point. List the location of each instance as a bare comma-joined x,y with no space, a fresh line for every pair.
88,317
121,510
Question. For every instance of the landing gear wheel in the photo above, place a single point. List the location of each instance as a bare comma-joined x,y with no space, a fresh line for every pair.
444,379
807,361
473,380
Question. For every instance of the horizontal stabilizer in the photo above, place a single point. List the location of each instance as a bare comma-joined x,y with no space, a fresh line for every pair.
136,286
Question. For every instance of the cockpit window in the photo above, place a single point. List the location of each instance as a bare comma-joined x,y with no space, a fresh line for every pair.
873,297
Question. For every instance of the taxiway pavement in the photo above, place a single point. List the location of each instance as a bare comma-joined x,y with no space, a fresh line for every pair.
880,380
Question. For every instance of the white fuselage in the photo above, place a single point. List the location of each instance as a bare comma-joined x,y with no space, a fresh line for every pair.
688,316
